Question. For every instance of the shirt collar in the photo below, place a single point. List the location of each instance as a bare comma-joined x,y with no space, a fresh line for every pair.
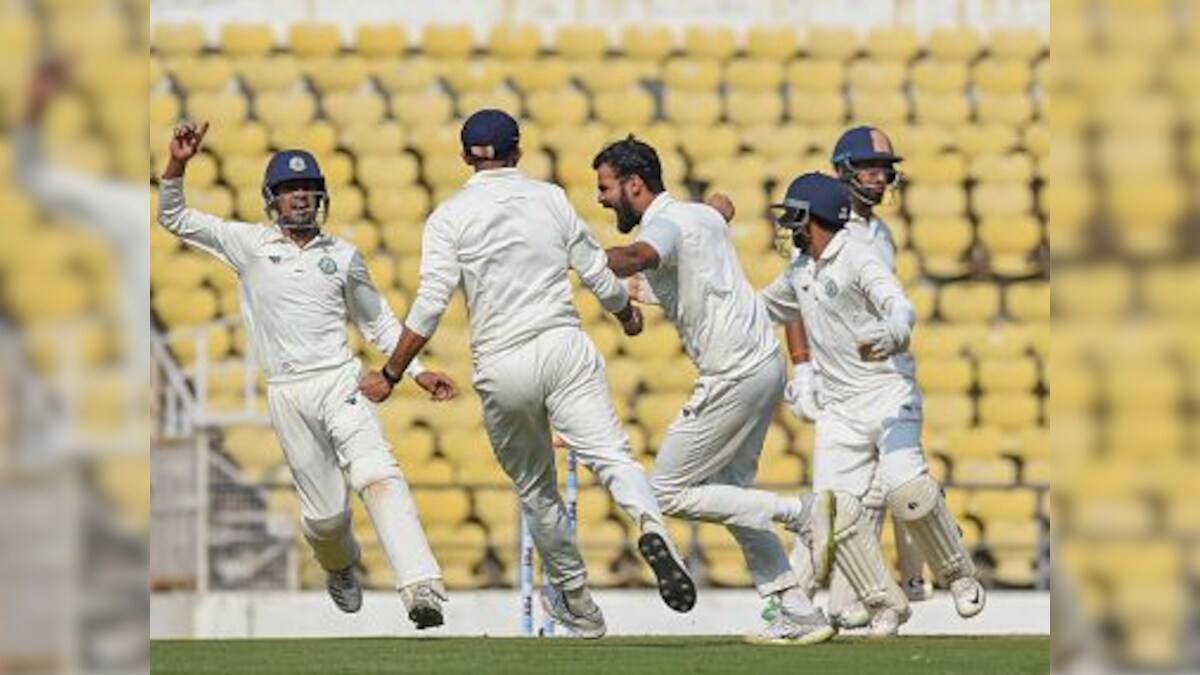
322,238
835,245
493,174
870,224
660,202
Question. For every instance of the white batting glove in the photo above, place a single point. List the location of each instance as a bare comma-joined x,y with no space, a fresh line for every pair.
800,394
881,340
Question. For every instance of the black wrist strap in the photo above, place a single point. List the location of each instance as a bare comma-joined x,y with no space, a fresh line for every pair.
392,378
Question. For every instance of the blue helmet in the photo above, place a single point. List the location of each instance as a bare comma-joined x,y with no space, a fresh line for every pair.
816,197
288,166
858,148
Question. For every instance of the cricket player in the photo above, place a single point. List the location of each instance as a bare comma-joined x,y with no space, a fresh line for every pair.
298,284
868,404
706,467
510,242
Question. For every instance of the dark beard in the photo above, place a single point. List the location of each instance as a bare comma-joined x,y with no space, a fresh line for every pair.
801,240
626,218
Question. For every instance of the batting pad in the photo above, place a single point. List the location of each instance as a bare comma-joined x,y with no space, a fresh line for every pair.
920,505
860,558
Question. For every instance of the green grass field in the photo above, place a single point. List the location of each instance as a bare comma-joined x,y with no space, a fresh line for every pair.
611,656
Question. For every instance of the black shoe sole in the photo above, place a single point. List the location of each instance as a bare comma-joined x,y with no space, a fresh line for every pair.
675,584
426,617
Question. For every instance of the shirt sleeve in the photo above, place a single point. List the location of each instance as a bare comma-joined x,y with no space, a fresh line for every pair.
664,236
589,261
441,273
885,246
883,290
780,299
229,241
372,314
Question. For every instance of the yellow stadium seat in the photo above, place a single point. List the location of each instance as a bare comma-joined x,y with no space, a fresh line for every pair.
754,109
816,75
224,108
934,76
1017,43
380,40
1001,200
1008,376
830,42
348,206
935,201
559,107
357,109
949,375
270,73
319,138
429,473
753,75
626,109
385,137
207,73
500,97
700,142
1028,301
581,42
442,41
1009,242
515,41
1013,110
969,302
691,107
242,40
607,74
422,109
776,43
953,44
717,42
414,75
387,170
783,141
442,507
466,75
1009,411
944,168
945,109
943,244
948,411
314,40
879,108
817,108
650,43
178,39
984,472
479,472
978,139
539,74
892,43
868,75
398,203
336,73
1002,76
282,109
689,74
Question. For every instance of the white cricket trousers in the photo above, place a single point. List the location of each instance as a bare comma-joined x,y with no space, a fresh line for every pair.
331,434
556,381
706,467
875,431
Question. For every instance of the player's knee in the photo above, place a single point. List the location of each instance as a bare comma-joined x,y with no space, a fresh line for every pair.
848,511
669,498
372,469
328,527
914,498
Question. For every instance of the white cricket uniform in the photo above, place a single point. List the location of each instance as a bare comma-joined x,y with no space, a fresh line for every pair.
295,302
706,467
510,242
869,412
876,234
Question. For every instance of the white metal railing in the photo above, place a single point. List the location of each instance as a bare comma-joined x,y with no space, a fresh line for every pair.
203,369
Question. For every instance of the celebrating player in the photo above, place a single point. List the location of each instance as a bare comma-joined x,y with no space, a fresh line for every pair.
298,285
868,405
706,467
510,242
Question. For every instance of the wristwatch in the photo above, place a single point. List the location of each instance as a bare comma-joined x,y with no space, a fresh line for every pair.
391,377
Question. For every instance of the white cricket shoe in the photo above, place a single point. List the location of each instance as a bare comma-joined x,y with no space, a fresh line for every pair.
580,616
852,617
787,628
423,600
675,583
969,596
885,623
345,589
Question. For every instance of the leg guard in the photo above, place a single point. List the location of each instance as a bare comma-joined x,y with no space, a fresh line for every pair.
332,541
920,505
859,557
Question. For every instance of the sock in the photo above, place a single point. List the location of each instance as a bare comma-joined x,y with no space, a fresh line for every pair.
794,601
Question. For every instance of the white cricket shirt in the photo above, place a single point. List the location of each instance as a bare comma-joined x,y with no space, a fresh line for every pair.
704,291
509,241
837,296
295,301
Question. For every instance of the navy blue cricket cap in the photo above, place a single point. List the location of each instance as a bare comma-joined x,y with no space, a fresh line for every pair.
290,165
489,134
819,195
864,144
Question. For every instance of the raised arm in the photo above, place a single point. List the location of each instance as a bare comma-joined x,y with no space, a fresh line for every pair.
779,297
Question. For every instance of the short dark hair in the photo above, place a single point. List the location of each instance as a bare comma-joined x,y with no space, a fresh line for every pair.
631,157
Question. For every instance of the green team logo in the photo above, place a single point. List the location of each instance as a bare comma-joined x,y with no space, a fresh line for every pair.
327,265
831,288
